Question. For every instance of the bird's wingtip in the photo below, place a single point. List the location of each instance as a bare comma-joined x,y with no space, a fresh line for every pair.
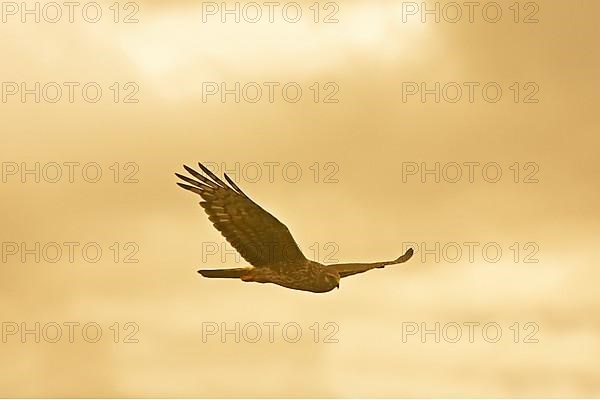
406,256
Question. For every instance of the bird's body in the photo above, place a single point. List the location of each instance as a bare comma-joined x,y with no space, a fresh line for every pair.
304,275
264,241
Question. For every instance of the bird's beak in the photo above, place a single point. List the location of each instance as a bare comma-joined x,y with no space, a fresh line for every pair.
338,286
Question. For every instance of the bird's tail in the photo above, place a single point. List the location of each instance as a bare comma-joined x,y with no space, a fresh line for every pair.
223,273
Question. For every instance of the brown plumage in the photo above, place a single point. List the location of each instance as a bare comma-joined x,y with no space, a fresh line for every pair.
263,240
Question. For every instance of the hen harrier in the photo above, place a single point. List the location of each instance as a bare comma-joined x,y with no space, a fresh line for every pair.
264,241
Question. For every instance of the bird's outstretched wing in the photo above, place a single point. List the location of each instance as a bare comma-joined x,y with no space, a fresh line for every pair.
355,268
257,235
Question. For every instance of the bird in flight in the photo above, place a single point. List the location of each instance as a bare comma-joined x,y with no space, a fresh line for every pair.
263,240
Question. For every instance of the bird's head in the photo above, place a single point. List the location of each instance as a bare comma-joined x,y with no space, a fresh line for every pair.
332,278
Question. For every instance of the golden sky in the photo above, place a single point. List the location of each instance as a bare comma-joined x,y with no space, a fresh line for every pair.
85,171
